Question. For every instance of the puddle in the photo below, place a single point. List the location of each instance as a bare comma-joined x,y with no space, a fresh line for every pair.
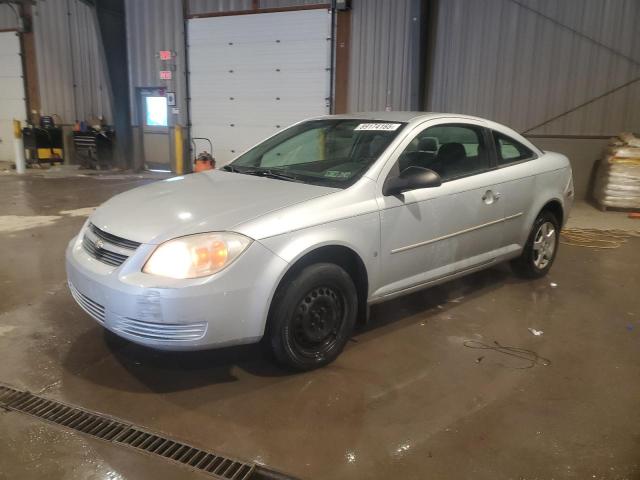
79,212
17,223
6,329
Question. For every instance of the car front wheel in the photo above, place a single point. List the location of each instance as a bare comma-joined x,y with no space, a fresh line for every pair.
313,317
541,248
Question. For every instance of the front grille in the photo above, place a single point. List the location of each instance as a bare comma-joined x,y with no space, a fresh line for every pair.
113,239
160,331
102,254
92,308
95,244
122,433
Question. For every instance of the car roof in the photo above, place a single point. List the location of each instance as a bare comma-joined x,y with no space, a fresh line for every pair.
401,116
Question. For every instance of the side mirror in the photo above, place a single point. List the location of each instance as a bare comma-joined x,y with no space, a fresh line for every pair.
411,178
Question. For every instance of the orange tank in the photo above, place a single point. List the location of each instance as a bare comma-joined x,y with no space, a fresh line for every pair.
204,161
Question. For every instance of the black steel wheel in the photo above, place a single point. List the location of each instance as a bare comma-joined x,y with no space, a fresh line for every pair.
313,316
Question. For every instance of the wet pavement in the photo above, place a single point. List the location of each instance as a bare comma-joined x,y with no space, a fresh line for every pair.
409,398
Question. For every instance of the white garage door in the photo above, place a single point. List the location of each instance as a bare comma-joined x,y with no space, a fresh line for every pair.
251,75
12,103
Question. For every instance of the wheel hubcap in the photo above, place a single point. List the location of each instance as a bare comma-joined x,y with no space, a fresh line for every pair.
318,318
544,245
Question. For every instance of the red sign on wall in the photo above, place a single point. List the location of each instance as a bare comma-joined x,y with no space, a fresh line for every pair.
165,74
165,54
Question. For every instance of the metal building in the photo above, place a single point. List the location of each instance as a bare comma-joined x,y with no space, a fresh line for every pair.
567,74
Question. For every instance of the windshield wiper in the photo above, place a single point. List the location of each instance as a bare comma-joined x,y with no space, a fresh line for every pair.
262,172
270,174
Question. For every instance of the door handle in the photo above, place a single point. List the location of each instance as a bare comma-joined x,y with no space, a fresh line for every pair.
490,196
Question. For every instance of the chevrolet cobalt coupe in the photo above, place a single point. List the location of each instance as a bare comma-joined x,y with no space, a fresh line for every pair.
296,238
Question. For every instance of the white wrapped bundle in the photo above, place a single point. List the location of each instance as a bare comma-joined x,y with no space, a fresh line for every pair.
630,139
618,180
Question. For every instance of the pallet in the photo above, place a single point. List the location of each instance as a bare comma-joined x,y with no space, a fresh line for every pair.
608,208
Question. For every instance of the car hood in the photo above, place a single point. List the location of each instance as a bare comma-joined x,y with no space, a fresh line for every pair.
203,202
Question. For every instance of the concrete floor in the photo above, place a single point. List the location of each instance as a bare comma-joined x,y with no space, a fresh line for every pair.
585,215
406,399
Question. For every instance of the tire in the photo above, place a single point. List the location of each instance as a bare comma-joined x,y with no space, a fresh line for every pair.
312,317
538,255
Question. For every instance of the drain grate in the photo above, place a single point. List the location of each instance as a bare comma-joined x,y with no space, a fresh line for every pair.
122,433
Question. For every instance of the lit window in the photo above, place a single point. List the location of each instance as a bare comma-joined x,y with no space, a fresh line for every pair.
156,111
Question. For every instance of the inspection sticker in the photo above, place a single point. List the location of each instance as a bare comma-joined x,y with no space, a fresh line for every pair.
390,127
337,174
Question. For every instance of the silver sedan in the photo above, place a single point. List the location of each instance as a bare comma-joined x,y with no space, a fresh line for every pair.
296,238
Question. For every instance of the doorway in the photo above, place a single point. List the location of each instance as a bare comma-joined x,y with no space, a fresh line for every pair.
252,75
156,128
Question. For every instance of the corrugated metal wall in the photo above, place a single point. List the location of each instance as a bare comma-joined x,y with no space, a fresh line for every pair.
525,62
154,25
72,75
384,65
289,3
213,6
8,17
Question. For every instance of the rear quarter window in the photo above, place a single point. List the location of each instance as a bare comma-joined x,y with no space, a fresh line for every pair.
510,151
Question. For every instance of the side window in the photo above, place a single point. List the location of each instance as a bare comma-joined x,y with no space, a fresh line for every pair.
509,150
451,151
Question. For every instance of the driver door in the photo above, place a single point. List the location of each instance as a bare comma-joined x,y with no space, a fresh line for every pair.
431,233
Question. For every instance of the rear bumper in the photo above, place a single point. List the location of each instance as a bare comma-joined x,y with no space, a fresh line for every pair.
228,308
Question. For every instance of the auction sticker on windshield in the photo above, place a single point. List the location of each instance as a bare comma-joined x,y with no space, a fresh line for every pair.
378,126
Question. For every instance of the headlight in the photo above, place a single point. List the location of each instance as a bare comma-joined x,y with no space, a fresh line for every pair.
196,255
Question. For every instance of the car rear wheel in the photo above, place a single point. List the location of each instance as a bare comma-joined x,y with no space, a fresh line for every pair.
313,317
541,248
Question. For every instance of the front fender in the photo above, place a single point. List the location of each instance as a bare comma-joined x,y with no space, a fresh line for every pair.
360,234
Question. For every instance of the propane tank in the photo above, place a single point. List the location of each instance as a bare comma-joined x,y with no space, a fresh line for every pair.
204,161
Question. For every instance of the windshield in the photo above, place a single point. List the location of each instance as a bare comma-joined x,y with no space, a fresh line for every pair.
333,152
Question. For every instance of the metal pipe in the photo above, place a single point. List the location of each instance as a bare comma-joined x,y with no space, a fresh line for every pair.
187,73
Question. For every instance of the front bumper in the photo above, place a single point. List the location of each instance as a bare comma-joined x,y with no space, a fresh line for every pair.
227,308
